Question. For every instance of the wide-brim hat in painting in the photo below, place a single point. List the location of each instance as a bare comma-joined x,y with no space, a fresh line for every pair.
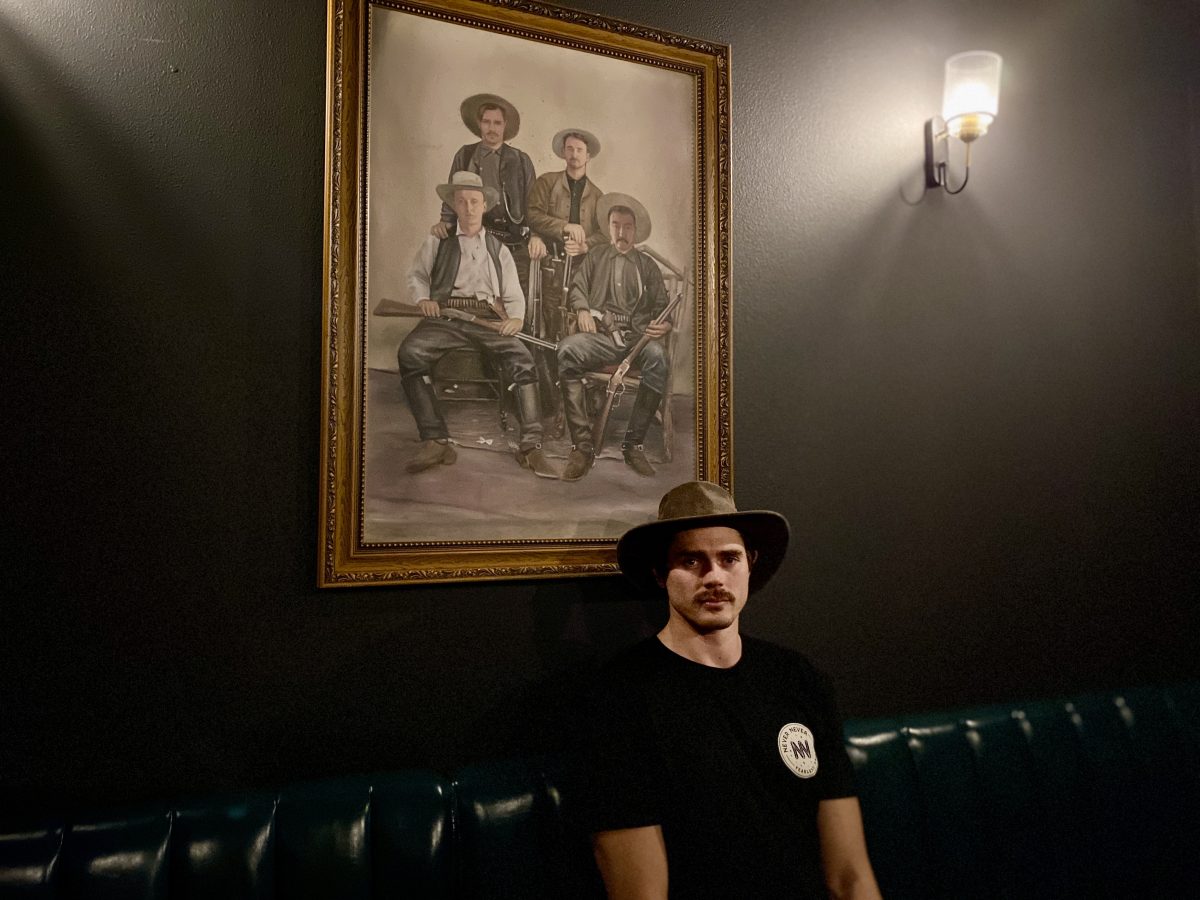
470,181
560,139
640,216
702,504
470,113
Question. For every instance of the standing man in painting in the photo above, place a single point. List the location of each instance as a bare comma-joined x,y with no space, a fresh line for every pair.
717,762
503,168
616,294
562,205
472,271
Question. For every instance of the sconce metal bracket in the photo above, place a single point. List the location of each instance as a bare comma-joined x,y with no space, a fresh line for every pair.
936,151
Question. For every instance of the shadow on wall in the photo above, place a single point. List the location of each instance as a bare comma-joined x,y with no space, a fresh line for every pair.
578,627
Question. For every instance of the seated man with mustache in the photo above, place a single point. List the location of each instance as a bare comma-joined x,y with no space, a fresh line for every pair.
717,768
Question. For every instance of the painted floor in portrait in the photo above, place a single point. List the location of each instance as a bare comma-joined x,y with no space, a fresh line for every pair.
486,495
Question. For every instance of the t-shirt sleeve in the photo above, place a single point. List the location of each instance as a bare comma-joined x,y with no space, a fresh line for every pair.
838,772
621,781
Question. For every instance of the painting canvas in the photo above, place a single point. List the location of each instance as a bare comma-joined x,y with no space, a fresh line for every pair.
461,435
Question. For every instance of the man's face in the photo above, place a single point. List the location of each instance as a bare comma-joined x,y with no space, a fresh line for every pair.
575,152
491,128
622,230
707,578
469,206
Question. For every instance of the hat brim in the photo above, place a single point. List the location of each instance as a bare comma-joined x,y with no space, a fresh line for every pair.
469,110
559,141
643,547
642,218
491,196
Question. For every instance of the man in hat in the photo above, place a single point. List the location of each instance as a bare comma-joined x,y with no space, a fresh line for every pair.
717,762
616,294
472,271
562,205
503,168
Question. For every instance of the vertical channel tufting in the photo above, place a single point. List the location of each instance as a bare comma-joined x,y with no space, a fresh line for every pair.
1117,781
1168,783
1063,783
270,856
892,812
120,858
1014,824
950,794
499,854
569,843
322,847
29,862
411,835
222,848
513,840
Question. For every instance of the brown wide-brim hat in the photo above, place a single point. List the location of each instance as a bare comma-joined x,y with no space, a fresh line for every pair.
470,114
702,504
640,216
467,181
559,141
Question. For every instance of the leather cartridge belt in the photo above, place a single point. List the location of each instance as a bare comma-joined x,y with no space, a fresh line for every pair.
619,319
474,305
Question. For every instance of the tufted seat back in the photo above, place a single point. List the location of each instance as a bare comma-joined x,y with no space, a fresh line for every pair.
359,837
1095,797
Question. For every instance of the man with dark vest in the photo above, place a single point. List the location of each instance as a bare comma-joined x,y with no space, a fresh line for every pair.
616,294
471,271
503,168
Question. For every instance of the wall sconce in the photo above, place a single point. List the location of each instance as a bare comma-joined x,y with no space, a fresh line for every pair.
970,100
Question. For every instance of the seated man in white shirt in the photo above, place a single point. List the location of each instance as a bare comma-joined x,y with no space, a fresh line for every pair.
472,271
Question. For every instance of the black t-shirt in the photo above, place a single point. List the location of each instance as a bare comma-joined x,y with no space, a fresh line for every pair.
730,762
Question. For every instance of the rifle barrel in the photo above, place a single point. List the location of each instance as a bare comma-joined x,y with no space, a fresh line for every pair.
398,308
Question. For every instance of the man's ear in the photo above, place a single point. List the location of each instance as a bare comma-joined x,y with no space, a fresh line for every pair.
660,579
751,558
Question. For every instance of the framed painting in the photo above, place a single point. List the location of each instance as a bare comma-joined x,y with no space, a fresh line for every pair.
526,326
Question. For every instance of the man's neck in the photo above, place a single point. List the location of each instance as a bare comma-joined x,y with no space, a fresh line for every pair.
720,649
576,176
465,233
487,146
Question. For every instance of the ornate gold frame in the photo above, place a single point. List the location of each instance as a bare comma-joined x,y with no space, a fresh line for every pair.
344,558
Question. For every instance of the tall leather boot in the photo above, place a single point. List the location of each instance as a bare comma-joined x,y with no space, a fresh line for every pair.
529,411
632,448
435,446
579,423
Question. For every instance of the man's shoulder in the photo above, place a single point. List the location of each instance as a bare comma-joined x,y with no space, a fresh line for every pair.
600,253
781,660
507,149
466,151
636,661
641,258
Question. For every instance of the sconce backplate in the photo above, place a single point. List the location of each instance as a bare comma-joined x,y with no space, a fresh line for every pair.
935,150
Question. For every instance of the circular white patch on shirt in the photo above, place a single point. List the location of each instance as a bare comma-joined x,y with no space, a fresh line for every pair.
798,749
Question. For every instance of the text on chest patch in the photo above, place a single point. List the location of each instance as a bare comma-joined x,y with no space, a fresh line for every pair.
798,749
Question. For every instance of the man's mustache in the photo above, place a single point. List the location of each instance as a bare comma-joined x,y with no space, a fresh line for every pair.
715,595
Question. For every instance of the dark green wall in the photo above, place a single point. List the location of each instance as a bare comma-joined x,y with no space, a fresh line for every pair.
981,413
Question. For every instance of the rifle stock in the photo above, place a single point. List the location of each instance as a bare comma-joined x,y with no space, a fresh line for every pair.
616,381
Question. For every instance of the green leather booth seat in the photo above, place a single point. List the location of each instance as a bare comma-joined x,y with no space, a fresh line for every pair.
1095,797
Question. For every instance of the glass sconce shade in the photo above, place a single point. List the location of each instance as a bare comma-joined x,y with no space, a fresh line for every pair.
972,93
